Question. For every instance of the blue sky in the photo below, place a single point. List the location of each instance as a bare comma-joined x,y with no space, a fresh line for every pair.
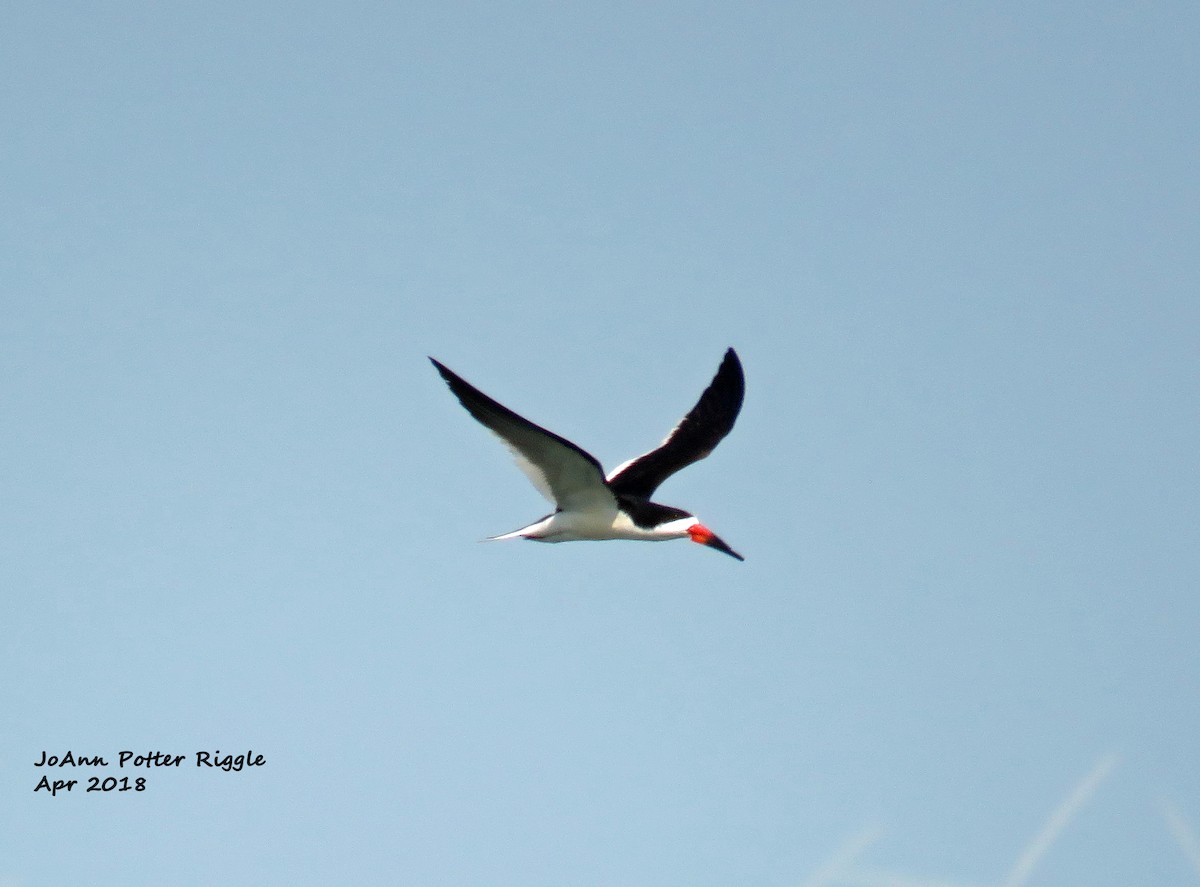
955,247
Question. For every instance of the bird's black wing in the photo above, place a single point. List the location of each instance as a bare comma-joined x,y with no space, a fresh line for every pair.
692,439
562,472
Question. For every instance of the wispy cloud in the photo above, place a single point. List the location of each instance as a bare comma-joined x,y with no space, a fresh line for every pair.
862,877
834,868
840,869
1183,833
1058,821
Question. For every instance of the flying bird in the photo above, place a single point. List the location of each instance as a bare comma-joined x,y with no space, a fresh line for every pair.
590,505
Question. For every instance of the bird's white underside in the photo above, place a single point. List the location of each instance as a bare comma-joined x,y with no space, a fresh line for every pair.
598,524
588,508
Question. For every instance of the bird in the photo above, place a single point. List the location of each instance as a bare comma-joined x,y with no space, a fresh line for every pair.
589,505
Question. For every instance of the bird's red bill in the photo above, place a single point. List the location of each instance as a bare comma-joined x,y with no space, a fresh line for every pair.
705,536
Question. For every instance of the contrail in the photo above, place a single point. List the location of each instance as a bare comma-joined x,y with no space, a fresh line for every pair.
833,868
1183,834
1058,821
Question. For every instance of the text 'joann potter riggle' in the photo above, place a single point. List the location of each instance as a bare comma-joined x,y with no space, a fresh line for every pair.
228,763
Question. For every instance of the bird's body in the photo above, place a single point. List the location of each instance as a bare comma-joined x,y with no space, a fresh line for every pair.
590,506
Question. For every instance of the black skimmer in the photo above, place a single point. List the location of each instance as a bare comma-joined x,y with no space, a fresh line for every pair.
589,505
